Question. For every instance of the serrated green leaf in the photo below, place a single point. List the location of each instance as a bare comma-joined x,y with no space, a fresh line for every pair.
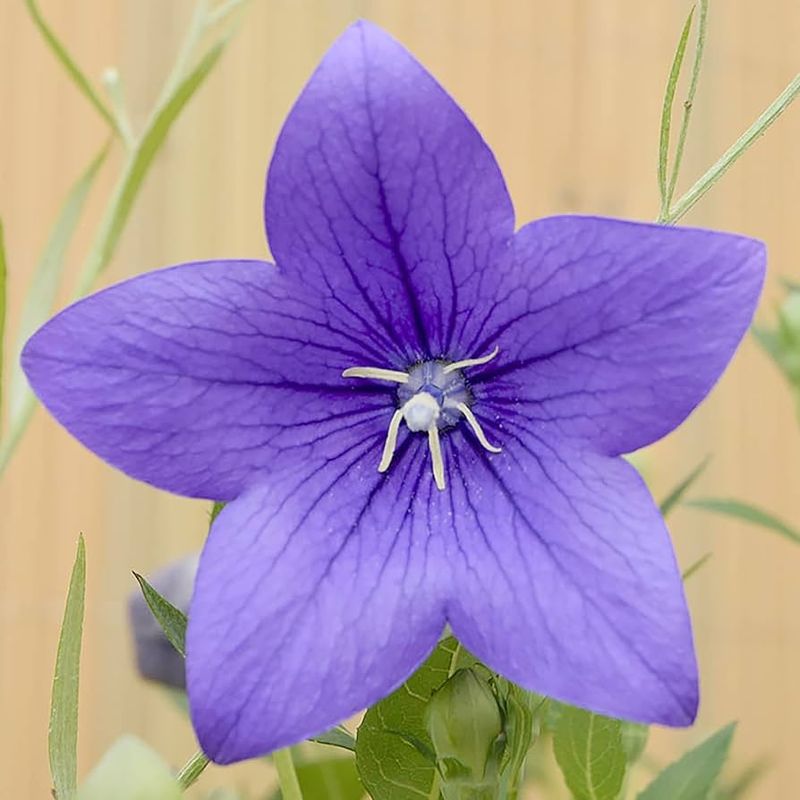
330,778
72,69
390,766
62,740
3,280
746,513
676,495
694,774
589,750
337,737
46,278
130,770
172,620
666,111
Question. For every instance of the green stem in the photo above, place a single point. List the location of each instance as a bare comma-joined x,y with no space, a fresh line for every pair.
192,770
739,147
287,777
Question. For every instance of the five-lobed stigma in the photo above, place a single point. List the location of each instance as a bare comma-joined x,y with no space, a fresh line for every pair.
432,395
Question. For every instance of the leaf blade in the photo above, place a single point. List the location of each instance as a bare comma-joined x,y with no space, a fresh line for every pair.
171,619
590,753
692,776
745,512
68,63
676,495
62,740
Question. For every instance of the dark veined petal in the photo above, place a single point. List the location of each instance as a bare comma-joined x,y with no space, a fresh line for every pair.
317,595
614,331
565,580
201,377
382,192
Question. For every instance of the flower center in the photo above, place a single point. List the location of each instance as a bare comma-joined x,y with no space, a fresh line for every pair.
432,396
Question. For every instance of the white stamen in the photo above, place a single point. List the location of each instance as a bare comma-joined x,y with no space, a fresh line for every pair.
436,456
391,441
470,362
377,374
421,412
477,429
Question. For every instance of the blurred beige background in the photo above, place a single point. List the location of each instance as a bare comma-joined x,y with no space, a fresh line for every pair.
568,94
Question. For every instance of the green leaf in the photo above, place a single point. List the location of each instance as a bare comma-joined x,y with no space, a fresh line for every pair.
62,740
666,111
337,737
739,787
44,286
139,165
392,739
675,496
693,775
634,740
3,279
215,511
130,770
172,620
66,61
330,778
746,513
590,753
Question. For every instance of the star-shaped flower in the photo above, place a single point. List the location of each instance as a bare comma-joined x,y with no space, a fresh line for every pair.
417,417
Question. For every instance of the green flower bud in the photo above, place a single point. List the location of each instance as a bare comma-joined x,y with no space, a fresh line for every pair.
466,729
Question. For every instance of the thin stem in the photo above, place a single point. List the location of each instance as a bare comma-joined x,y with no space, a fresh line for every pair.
739,147
192,770
113,84
688,104
197,27
287,777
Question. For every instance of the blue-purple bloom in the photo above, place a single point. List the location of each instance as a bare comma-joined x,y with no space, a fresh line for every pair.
494,376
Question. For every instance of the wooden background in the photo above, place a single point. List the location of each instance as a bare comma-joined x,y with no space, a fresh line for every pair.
568,94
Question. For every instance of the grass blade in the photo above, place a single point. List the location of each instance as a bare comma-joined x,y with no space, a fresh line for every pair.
666,111
73,70
62,739
675,496
172,620
44,287
746,513
694,567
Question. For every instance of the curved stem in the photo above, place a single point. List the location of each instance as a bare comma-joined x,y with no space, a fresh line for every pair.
287,777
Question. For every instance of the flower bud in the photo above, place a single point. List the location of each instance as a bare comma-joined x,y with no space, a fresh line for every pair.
466,727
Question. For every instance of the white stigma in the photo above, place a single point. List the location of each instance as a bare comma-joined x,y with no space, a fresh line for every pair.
422,412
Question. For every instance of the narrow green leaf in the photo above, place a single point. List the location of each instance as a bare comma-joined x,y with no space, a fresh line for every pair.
746,513
329,778
694,774
172,620
43,289
634,740
215,511
589,750
337,737
392,739
62,737
666,111
130,770
770,342
695,566
3,280
675,496
66,61
688,104
139,165
739,787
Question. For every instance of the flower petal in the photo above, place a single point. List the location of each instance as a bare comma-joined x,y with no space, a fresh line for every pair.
200,378
317,595
565,581
382,191
614,331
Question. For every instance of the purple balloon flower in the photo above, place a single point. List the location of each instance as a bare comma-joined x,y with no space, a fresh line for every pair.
417,416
